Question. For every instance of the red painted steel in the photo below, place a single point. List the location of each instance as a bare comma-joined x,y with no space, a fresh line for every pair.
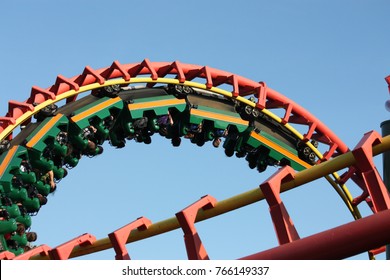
63,251
378,251
260,93
366,176
39,95
338,243
43,250
6,121
186,218
284,227
16,109
6,255
365,163
119,237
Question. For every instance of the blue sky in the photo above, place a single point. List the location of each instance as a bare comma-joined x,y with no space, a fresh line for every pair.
331,57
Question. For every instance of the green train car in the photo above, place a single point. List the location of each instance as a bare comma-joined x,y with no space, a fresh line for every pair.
44,150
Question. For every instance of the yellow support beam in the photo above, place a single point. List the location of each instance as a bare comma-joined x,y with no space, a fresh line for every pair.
235,202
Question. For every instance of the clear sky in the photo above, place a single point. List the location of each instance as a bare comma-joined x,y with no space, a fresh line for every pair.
330,57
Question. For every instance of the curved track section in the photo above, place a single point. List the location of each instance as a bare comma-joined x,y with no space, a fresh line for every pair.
55,127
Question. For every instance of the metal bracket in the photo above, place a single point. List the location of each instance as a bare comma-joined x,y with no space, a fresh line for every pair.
63,251
6,255
284,227
372,180
119,237
16,109
186,218
43,250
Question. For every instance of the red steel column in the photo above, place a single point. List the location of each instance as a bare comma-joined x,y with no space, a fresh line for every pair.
372,180
186,219
119,237
284,227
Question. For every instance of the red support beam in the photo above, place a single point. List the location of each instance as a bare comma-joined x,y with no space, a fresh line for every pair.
17,109
39,95
6,255
64,84
186,218
89,72
338,243
261,95
284,227
119,237
207,74
43,250
63,251
373,182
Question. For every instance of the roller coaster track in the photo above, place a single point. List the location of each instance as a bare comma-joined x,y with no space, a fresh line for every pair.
274,109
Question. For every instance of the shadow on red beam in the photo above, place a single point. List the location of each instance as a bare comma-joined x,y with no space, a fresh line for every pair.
338,243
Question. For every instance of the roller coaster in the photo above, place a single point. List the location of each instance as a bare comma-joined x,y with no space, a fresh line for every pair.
49,133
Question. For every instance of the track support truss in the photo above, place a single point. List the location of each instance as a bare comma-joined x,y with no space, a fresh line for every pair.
186,218
284,227
119,237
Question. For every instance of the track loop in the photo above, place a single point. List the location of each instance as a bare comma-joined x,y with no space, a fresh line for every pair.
254,100
214,78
